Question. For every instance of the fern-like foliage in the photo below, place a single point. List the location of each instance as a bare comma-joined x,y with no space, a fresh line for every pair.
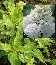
11,25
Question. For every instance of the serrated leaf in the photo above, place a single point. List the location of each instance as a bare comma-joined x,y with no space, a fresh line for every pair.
29,45
30,62
44,41
9,5
17,41
20,4
5,47
42,44
38,54
25,57
46,50
13,58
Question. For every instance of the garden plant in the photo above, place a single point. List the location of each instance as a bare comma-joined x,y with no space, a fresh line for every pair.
13,47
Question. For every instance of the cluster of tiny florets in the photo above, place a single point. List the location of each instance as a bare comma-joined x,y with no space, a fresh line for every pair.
38,23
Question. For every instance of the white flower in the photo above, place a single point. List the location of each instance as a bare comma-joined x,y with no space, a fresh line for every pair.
38,23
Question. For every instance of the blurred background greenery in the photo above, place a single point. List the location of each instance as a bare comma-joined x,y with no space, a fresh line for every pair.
27,9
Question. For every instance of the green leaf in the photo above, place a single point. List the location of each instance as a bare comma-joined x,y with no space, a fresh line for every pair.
25,57
6,47
2,53
20,5
9,5
38,54
46,50
28,48
30,62
1,15
13,58
53,62
17,40
43,42
14,10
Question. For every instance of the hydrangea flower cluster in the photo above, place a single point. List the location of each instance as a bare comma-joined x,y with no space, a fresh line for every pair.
38,23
